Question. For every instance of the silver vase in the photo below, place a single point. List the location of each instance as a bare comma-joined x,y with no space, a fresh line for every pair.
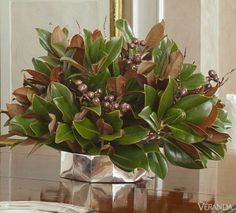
95,168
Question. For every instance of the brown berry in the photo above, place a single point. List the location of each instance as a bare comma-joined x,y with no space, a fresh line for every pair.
135,41
78,82
132,45
208,86
96,100
111,97
133,67
212,73
106,104
115,106
106,98
129,62
208,78
137,58
91,94
82,88
143,43
99,91
125,107
183,91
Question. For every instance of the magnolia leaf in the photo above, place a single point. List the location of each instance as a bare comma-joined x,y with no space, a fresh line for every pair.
158,164
59,41
45,40
73,63
51,60
117,85
86,128
208,122
54,76
64,133
175,115
103,127
175,64
77,41
145,114
15,109
96,109
150,147
67,109
97,50
41,66
185,156
44,108
199,113
155,34
186,71
39,77
184,133
195,81
57,90
52,126
88,44
126,30
167,98
24,94
38,128
211,151
216,137
145,67
151,96
112,136
113,118
129,157
113,49
132,135
190,101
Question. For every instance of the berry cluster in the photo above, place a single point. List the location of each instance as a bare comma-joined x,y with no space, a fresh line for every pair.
212,76
111,104
91,96
133,59
181,93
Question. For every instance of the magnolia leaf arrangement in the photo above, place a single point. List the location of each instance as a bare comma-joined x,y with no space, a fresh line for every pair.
120,97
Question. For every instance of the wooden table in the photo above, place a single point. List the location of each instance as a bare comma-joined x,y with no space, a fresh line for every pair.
182,191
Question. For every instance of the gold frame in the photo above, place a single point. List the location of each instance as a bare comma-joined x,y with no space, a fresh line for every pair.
116,12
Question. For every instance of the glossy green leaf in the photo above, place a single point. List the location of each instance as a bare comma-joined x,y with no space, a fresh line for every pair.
132,135
41,66
191,101
167,98
87,46
158,164
38,128
45,40
199,113
86,128
175,115
180,157
187,71
51,60
85,144
160,54
113,49
43,107
64,133
112,136
184,133
68,110
129,157
211,150
97,50
113,118
145,114
126,30
149,147
21,125
59,90
222,122
151,96
96,109
195,81
99,80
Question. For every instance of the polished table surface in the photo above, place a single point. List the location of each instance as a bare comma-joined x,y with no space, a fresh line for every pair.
183,190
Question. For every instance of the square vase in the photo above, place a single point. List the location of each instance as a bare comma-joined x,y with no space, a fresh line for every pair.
95,168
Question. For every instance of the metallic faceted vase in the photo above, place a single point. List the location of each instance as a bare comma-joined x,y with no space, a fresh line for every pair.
95,168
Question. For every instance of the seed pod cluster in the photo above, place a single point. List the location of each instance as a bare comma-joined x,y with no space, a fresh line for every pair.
111,104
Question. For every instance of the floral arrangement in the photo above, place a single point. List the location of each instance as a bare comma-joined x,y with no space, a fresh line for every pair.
120,97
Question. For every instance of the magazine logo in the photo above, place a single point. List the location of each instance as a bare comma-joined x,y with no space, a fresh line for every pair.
214,207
